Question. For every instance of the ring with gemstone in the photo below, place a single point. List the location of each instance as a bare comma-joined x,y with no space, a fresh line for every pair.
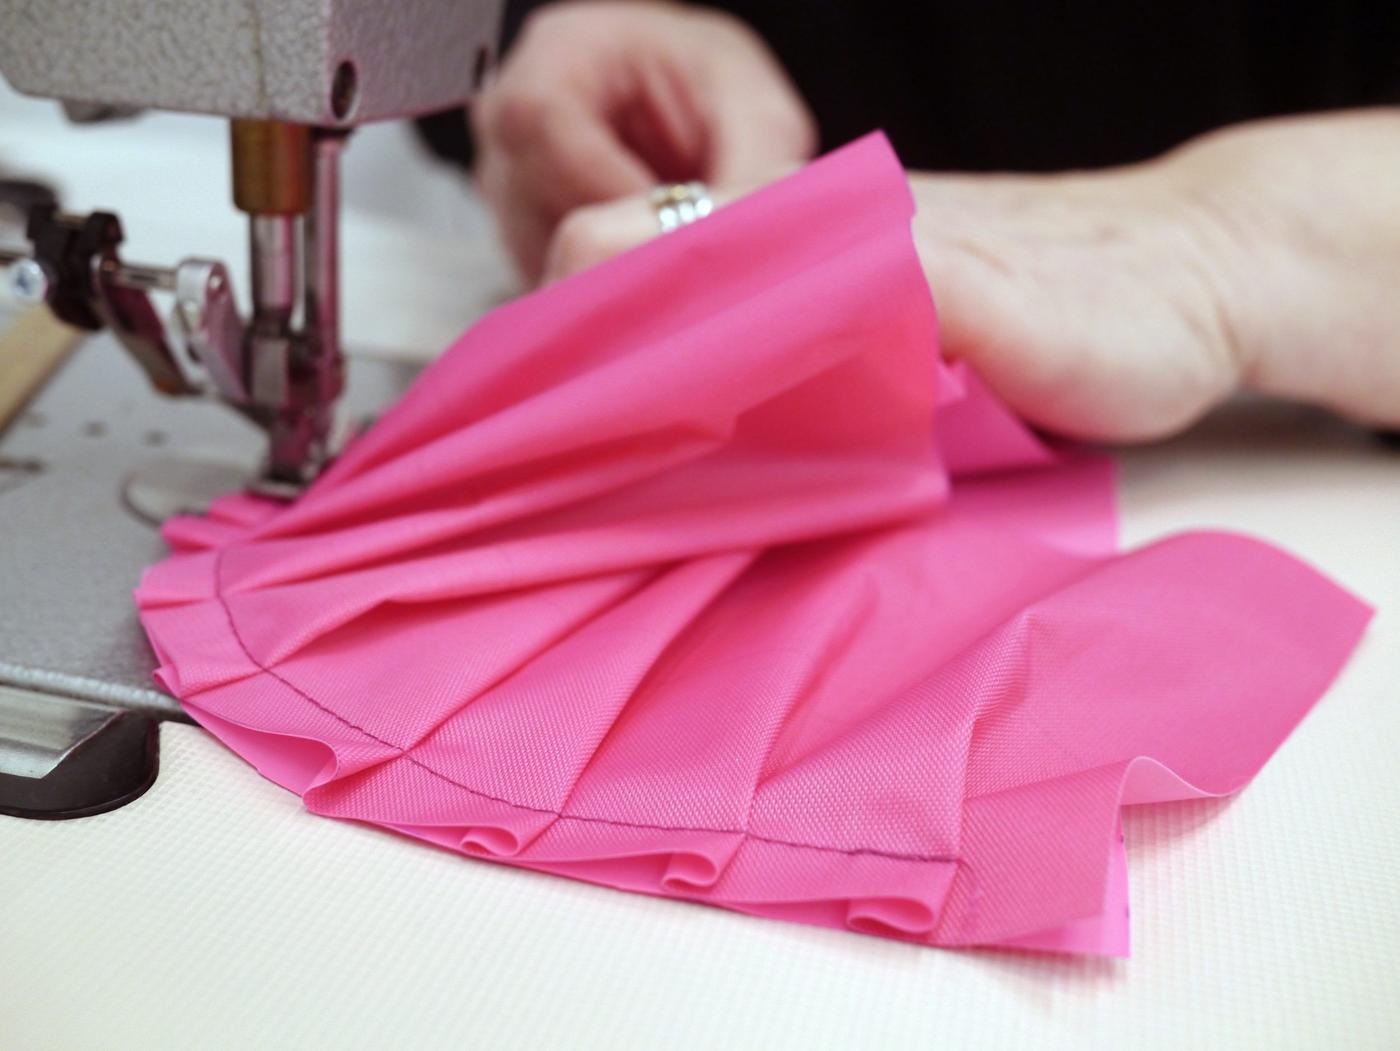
677,204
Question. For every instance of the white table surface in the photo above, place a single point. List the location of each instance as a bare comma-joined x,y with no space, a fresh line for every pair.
214,912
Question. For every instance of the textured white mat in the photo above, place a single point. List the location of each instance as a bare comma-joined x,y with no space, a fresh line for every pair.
208,913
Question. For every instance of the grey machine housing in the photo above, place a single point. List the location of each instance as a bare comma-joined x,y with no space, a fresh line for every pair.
328,63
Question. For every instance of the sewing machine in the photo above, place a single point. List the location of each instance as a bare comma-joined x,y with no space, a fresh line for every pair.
293,78
212,912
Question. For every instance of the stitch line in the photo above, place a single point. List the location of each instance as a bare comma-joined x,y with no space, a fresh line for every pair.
404,753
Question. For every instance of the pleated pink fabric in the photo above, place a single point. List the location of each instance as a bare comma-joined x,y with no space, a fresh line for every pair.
699,575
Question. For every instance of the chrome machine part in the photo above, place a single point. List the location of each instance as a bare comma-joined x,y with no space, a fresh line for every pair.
28,280
321,303
294,76
64,758
208,321
285,176
75,269
300,430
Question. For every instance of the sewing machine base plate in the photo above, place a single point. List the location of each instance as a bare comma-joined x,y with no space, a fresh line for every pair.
83,469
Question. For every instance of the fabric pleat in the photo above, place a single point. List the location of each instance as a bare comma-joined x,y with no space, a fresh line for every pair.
700,575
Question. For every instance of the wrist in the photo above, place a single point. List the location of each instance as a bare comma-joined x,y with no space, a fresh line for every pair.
1224,241
1296,221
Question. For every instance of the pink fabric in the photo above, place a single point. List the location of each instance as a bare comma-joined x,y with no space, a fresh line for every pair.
698,575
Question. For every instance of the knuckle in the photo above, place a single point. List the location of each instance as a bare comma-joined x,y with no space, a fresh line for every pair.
579,242
732,31
576,239
722,23
541,22
516,117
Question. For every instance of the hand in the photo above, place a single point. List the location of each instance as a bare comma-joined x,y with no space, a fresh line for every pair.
601,99
1088,302
1093,304
1122,305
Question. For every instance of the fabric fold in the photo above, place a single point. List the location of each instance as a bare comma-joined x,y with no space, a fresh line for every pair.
700,575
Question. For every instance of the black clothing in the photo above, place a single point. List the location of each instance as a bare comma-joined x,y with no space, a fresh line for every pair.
1033,85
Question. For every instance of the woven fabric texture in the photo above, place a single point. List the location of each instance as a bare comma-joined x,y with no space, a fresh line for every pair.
700,575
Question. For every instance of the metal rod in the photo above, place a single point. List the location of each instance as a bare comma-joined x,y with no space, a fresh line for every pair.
143,278
124,275
321,303
273,238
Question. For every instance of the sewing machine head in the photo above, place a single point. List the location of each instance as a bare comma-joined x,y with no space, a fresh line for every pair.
294,77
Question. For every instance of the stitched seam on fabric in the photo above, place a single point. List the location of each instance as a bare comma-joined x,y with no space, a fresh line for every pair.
404,754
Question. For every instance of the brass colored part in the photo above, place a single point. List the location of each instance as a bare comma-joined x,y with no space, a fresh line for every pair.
272,172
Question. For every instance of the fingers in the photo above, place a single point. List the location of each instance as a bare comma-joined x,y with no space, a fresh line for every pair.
545,156
747,151
563,152
660,119
545,136
759,126
600,100
597,232
591,234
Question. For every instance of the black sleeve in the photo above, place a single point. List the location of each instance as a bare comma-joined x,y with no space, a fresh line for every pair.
1031,85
